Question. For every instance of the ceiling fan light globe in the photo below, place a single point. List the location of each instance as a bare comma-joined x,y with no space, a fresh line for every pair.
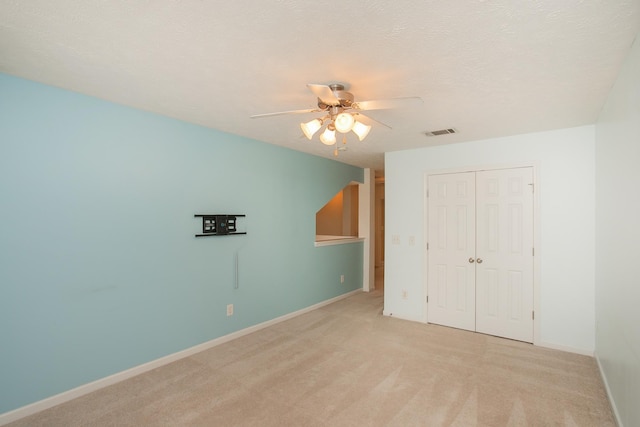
311,127
328,137
361,130
344,122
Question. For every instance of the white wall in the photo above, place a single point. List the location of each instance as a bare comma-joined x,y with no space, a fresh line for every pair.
366,228
564,163
618,241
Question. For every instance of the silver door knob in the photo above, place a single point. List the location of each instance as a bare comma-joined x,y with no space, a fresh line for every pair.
479,260
471,260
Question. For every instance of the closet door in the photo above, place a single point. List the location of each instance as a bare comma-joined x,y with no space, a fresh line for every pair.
451,255
504,253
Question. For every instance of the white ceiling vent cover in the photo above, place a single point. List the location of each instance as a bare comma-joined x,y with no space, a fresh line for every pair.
441,132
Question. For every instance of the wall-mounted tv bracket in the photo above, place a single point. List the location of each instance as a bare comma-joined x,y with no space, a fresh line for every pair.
219,225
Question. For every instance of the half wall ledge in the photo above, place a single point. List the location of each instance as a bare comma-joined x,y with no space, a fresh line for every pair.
324,240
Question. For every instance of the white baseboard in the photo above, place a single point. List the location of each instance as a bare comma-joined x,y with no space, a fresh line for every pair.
564,348
84,389
411,319
612,402
538,344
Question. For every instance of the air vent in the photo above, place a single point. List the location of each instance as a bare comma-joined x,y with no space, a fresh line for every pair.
440,132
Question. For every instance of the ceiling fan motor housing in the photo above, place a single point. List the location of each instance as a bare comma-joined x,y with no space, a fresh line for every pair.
344,98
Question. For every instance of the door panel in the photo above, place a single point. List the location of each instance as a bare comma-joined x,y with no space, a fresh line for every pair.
451,221
504,243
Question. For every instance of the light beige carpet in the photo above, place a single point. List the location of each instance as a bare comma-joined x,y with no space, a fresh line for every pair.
347,365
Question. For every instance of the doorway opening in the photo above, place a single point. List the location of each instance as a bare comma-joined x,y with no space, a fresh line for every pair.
379,233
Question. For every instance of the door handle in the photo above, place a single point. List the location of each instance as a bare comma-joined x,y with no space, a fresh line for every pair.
471,260
479,260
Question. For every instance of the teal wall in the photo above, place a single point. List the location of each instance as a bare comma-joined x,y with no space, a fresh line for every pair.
99,267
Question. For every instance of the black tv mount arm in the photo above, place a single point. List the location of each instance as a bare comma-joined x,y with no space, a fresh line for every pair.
219,225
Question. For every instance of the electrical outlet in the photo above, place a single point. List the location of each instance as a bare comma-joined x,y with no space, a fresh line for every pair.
342,278
395,239
412,240
405,294
229,309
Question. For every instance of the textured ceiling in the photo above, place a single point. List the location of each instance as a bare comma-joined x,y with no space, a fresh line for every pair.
486,68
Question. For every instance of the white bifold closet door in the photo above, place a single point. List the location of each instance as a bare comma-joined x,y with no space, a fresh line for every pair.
480,256
451,236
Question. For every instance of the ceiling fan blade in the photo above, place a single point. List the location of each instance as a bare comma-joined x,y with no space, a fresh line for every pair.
325,94
373,120
280,113
385,104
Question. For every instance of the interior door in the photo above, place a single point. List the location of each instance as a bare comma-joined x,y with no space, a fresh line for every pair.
504,253
451,270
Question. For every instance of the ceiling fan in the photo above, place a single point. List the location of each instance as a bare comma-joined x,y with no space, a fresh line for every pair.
341,113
